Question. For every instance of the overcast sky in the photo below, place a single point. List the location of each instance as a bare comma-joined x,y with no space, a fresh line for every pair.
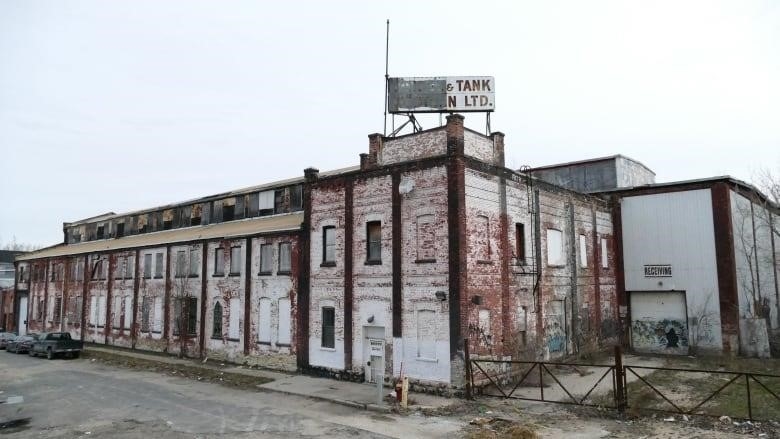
122,105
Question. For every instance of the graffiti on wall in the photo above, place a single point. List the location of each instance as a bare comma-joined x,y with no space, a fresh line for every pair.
659,335
554,328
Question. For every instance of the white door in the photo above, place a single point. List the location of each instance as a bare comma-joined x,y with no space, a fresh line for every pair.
23,315
659,322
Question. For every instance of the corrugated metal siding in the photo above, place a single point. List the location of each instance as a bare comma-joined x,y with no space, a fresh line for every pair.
675,228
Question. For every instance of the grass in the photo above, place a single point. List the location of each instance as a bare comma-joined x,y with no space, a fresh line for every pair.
688,389
204,372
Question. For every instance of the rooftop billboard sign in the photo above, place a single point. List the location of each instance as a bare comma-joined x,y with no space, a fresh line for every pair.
441,94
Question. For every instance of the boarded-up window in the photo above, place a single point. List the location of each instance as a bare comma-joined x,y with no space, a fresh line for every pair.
328,245
146,308
235,312
266,203
158,265
264,321
116,312
284,336
285,264
181,263
129,267
101,317
235,260
194,263
93,311
426,334
328,327
481,238
426,238
583,252
604,255
266,258
158,314
219,262
216,324
147,266
128,315
374,241
555,247
296,197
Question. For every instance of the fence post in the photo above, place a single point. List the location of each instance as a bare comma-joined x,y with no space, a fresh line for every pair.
469,375
747,387
620,391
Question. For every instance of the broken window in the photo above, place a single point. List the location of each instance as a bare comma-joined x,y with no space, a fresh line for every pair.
374,242
296,197
40,311
219,261
329,245
57,309
426,239
266,258
426,334
195,215
281,201
181,263
583,252
148,266
520,243
264,321
235,261
100,230
328,327
194,263
158,265
216,324
555,254
228,213
185,316
285,263
167,225
120,230
119,269
97,268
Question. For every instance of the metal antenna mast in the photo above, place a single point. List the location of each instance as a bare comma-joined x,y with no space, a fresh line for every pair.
387,76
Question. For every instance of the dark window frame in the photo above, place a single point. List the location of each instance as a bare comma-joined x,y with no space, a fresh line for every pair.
219,262
328,337
520,243
325,261
288,269
375,257
216,322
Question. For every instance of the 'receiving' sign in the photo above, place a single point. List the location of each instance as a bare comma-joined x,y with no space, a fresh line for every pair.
658,271
441,94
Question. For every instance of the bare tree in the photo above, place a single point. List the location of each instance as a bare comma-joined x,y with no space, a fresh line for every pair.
185,307
15,245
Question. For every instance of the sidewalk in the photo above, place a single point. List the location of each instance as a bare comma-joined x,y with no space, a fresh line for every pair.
357,395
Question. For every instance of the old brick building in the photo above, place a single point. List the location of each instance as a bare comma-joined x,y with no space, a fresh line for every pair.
376,269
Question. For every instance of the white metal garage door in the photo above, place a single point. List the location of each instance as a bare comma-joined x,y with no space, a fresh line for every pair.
659,322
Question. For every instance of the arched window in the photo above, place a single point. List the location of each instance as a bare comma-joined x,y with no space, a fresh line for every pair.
217,325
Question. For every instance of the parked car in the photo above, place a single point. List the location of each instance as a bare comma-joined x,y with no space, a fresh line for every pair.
5,337
21,343
52,344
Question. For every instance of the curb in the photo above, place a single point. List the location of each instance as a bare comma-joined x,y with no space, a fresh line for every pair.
344,402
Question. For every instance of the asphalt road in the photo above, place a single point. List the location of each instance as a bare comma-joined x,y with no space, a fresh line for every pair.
80,398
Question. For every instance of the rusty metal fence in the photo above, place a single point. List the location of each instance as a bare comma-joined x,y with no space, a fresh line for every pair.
753,396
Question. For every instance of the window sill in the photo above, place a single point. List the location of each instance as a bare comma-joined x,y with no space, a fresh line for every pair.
328,264
284,272
374,262
484,262
232,339
283,345
427,360
265,273
327,349
267,343
218,275
158,277
556,266
193,276
234,274
216,337
425,261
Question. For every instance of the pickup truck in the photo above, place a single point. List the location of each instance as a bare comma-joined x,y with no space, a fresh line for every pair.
56,343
